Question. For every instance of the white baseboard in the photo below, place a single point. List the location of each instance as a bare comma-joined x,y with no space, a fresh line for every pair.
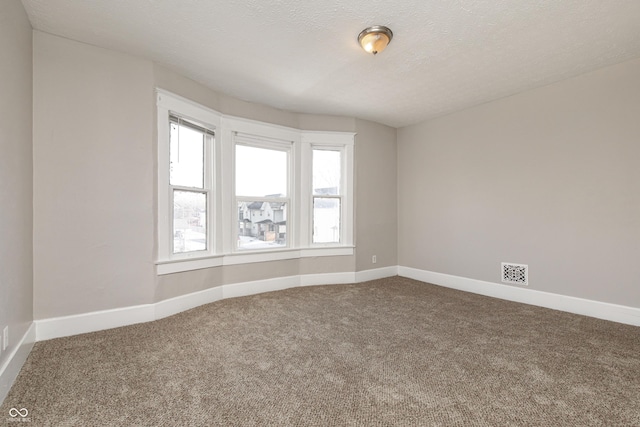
75,324
327,279
106,319
259,286
96,321
171,306
376,273
600,310
11,367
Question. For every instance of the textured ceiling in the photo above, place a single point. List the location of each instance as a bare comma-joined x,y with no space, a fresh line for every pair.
303,56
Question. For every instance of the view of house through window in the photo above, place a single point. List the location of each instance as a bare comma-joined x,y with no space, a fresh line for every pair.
327,199
262,188
188,185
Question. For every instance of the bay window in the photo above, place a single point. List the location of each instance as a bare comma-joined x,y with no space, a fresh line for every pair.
232,190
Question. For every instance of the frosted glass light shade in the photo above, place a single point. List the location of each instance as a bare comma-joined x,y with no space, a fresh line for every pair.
375,39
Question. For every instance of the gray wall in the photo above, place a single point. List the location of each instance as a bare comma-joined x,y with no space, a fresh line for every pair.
94,182
16,224
548,178
376,184
93,178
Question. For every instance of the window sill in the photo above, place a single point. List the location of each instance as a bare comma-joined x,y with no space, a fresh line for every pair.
176,266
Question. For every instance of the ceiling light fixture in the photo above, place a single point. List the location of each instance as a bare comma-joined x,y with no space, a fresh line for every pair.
375,39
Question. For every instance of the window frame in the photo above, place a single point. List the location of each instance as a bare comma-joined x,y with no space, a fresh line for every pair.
222,221
246,140
344,143
169,105
339,196
206,189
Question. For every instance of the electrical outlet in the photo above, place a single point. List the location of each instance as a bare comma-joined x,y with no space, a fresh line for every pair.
374,259
5,338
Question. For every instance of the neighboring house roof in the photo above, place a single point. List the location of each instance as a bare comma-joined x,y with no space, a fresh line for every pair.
255,206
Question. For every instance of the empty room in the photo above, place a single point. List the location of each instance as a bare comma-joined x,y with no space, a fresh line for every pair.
409,213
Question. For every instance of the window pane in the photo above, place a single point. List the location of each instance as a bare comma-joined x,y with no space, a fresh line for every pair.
326,220
186,156
261,172
326,172
189,221
262,225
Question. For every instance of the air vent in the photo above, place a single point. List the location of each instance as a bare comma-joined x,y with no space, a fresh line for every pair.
517,274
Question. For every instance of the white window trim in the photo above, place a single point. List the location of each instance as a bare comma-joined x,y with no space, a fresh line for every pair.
344,143
168,104
270,138
222,227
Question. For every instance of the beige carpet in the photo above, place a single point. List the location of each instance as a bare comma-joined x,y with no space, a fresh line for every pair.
382,353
